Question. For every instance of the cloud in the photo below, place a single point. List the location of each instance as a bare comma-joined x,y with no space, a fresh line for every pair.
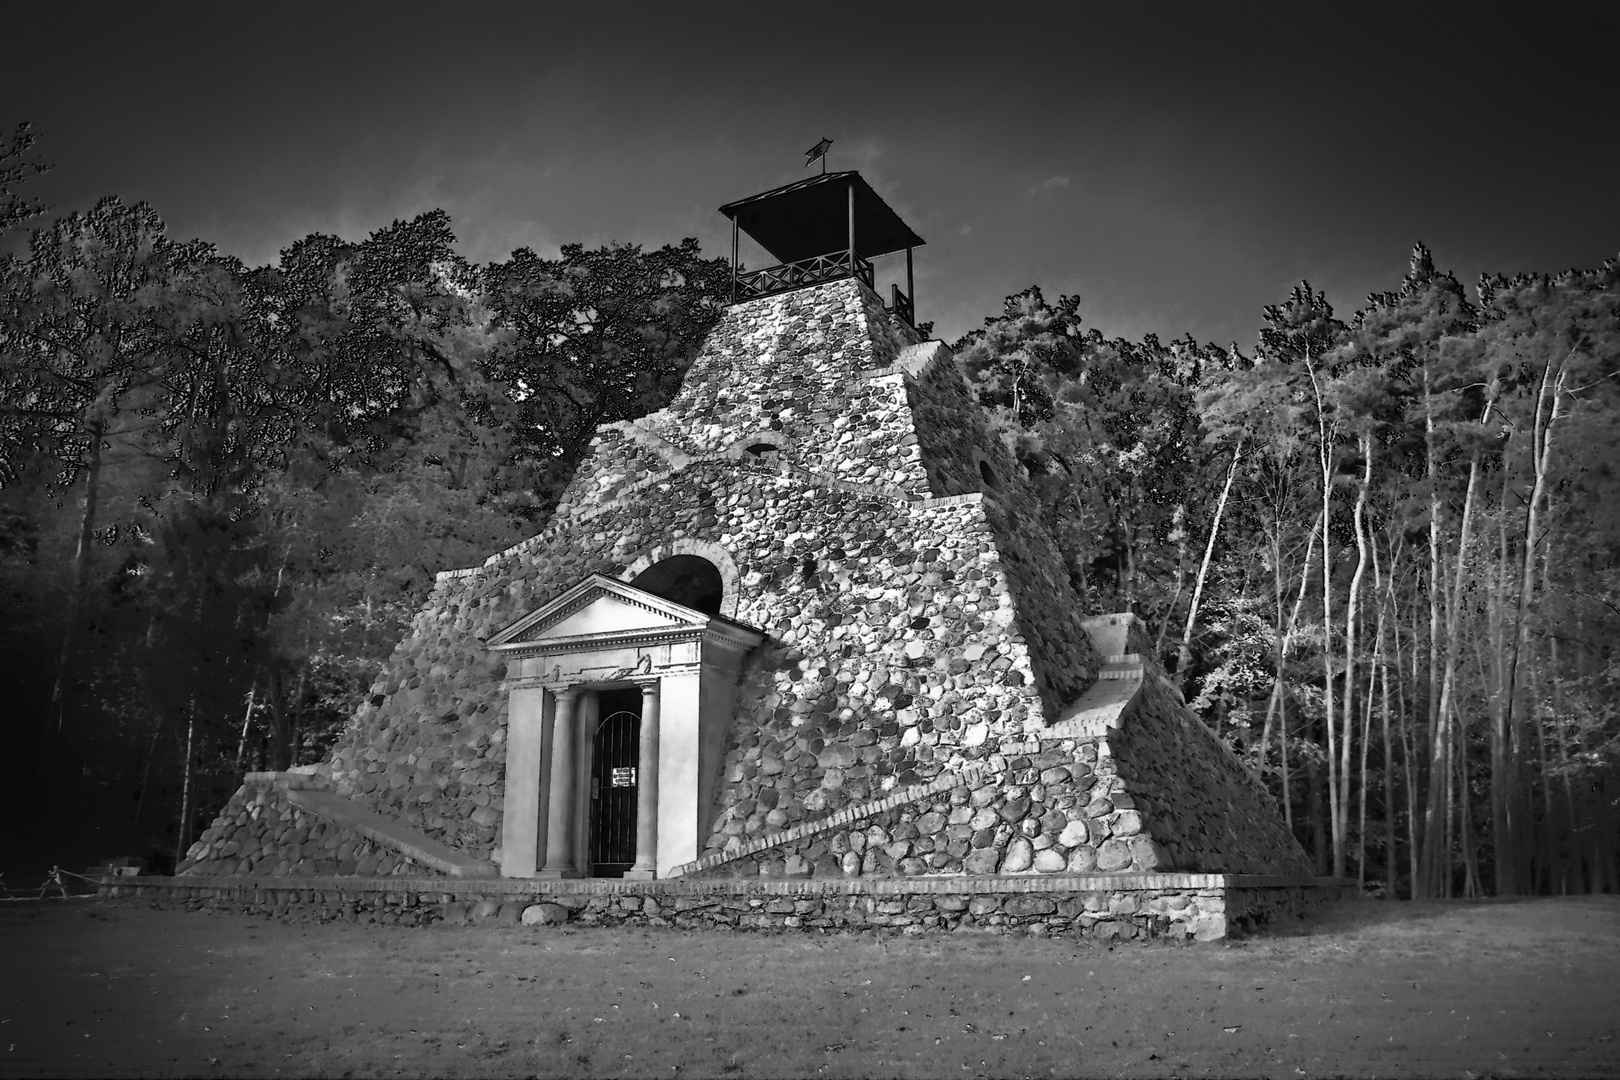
1049,183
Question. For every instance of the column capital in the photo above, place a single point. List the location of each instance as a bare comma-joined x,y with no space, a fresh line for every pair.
649,687
563,691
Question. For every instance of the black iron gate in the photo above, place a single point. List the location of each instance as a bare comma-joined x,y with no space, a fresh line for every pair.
614,758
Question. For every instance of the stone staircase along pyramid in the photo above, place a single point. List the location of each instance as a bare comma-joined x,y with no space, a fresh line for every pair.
930,699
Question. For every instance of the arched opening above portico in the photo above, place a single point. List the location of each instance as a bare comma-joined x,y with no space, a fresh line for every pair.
686,579
698,573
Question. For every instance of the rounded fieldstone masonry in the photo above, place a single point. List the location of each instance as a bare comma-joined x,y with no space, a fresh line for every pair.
929,698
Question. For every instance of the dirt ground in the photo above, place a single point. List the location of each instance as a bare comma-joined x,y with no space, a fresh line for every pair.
103,988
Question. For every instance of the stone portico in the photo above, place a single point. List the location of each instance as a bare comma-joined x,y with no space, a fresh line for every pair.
563,658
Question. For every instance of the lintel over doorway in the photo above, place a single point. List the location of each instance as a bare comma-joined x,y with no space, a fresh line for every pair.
604,635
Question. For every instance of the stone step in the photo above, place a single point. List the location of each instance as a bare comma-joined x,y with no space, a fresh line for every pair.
1121,669
391,833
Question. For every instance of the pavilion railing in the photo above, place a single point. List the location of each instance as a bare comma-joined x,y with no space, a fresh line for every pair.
834,266
900,306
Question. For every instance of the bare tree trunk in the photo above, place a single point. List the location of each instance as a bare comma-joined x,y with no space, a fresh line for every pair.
1413,870
1392,866
1324,453
1543,853
1471,882
1391,860
183,842
1361,827
1351,611
1130,567
1279,688
1316,814
81,563
1510,870
1493,679
1184,654
247,719
1080,565
1436,825
146,771
1274,700
1179,523
298,712
1571,859
280,732
1366,730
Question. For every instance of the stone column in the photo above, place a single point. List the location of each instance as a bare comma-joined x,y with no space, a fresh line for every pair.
560,820
680,782
587,718
525,745
647,788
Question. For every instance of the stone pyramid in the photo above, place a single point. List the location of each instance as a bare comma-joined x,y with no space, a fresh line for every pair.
926,697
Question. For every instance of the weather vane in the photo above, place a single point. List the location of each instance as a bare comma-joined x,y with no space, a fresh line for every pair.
818,151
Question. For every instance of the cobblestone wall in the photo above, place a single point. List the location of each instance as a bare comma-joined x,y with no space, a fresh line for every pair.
796,365
260,832
1164,907
958,449
1204,806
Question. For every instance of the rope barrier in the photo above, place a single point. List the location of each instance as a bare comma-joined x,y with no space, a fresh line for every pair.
53,880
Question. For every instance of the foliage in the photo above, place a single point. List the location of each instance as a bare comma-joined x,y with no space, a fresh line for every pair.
244,479
1416,582
595,336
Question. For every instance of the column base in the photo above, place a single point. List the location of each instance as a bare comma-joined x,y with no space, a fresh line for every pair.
640,875
549,874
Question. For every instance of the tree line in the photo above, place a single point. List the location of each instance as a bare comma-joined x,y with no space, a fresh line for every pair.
1379,554
1376,552
224,489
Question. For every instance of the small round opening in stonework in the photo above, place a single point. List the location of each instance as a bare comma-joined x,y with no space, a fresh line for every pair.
763,453
686,579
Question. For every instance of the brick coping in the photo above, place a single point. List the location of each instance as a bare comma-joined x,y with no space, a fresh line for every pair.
930,884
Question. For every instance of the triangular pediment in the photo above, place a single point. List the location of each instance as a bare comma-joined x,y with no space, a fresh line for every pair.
604,615
599,605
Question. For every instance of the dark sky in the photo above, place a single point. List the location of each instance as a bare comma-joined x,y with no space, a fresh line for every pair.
1178,166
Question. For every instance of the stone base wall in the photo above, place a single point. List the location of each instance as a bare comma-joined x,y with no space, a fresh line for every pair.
260,832
1025,807
1170,907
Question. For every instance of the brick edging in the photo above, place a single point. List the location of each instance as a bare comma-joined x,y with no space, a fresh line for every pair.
756,886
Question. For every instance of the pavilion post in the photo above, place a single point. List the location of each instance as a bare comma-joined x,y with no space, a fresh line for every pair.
911,288
852,227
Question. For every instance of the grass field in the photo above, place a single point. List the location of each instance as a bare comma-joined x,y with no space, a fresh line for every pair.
100,988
